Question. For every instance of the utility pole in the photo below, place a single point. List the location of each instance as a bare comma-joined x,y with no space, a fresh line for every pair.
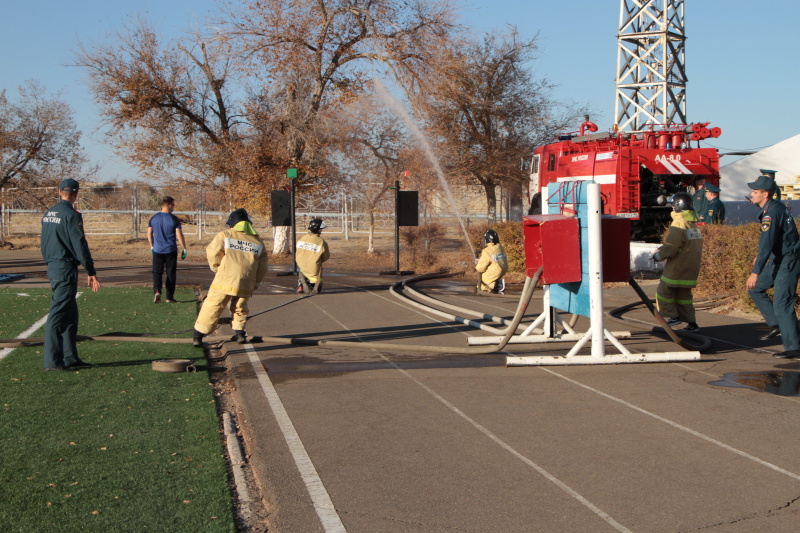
651,77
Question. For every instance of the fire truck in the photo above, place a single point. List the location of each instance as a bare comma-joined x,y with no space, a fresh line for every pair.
637,171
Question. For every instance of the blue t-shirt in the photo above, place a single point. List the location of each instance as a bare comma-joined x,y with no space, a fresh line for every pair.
164,226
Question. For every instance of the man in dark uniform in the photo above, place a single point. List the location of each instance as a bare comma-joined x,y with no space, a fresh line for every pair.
771,175
715,209
699,198
64,247
777,265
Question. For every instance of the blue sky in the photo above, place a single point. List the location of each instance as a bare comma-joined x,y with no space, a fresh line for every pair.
742,57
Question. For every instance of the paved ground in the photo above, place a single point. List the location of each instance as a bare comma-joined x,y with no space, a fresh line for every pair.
384,440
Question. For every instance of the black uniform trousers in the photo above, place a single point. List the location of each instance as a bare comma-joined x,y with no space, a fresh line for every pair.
61,331
168,262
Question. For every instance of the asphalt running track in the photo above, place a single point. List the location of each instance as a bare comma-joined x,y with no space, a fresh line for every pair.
393,441
390,441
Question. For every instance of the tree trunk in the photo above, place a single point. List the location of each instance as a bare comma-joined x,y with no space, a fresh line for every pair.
491,202
371,239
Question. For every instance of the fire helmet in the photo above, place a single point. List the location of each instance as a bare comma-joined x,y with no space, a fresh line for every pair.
237,216
680,201
316,225
491,236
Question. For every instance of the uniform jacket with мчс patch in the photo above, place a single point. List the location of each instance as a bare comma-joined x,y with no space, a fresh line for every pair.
682,250
779,236
312,251
493,263
239,260
63,240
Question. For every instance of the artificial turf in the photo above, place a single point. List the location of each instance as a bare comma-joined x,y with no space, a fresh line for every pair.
116,446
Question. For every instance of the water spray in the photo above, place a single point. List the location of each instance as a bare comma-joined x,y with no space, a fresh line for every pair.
401,112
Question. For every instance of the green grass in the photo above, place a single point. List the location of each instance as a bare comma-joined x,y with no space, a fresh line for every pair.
21,308
114,447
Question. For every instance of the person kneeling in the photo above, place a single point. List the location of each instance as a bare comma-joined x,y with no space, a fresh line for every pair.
493,264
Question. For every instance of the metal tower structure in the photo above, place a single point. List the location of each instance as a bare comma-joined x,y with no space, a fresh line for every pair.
651,78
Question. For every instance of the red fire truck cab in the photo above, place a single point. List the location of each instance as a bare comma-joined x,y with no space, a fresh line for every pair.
637,171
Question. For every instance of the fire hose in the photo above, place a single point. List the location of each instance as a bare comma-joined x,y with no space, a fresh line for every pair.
513,325
525,297
704,343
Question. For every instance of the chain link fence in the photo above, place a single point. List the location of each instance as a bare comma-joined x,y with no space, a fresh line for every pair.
126,211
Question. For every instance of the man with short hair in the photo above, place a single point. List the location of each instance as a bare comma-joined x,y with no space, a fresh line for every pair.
64,247
162,231
777,265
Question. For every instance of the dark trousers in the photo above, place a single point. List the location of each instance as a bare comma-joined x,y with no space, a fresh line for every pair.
779,311
61,331
168,262
675,302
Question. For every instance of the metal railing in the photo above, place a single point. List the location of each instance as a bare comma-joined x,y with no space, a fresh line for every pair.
122,211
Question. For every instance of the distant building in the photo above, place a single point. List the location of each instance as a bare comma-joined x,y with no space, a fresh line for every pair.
782,156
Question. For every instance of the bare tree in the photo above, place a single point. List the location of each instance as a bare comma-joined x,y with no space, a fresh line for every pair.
322,53
368,154
489,112
39,141
172,110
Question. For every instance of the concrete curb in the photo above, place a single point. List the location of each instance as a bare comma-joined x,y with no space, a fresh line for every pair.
237,463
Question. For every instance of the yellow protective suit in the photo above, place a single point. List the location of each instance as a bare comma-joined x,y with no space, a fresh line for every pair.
312,251
493,265
239,258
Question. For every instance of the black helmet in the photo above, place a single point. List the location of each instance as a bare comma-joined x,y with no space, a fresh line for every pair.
680,202
491,236
237,216
316,225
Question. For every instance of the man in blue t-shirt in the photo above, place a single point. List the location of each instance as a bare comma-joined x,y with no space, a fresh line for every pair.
162,231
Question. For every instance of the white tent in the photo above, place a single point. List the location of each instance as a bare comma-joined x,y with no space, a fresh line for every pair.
783,157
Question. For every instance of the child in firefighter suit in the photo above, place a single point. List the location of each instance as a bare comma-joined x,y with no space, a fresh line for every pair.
492,265
682,252
312,251
239,258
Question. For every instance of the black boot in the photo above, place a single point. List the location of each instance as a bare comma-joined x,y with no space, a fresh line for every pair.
197,339
239,336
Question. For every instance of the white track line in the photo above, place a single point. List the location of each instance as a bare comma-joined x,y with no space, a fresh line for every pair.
24,335
550,477
677,426
27,333
730,343
643,411
320,498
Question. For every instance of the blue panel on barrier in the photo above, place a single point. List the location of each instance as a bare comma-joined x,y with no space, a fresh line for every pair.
571,196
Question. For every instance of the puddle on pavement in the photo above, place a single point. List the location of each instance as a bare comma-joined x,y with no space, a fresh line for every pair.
782,383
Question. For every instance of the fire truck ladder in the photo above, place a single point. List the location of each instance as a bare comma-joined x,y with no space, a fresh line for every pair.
628,187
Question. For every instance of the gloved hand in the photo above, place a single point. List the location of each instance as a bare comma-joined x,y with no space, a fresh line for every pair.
183,254
152,251
657,258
